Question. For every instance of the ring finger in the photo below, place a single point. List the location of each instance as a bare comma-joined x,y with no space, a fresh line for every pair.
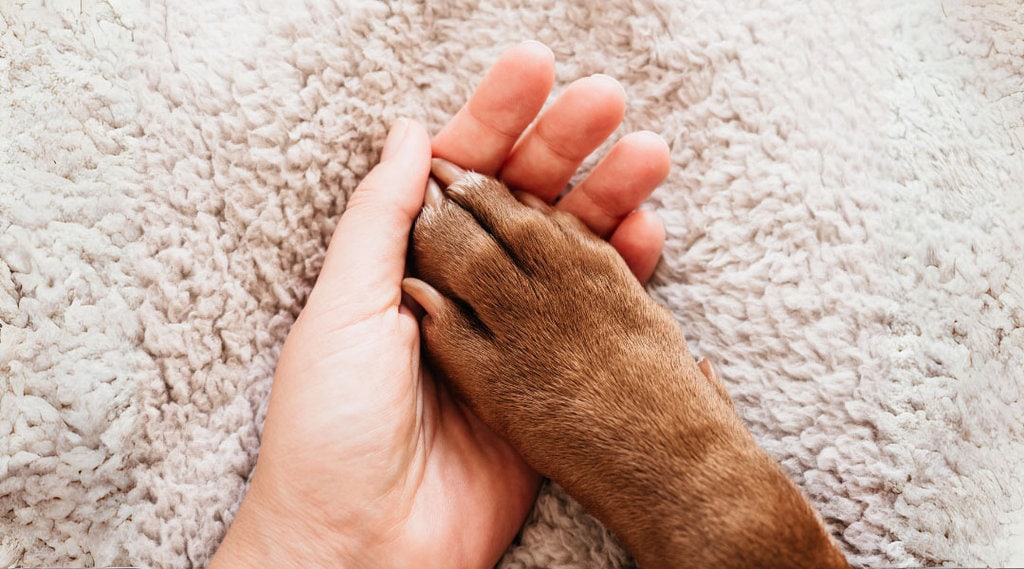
547,156
620,182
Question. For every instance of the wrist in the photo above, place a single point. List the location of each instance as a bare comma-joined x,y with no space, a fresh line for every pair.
263,535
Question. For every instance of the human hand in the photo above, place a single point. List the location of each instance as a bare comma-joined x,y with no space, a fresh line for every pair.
365,460
487,136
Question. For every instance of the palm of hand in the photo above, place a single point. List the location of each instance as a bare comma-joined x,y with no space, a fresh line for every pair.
415,466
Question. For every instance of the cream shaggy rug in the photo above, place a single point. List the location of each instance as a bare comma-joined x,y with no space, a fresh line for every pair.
845,219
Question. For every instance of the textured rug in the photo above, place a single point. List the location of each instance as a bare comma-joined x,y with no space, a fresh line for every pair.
845,218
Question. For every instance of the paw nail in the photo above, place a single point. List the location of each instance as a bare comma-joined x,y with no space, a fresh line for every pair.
445,171
532,201
424,295
433,196
707,369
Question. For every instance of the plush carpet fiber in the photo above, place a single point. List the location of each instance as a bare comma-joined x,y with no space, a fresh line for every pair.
845,224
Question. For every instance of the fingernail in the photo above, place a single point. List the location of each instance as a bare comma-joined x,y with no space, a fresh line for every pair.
609,79
537,44
398,133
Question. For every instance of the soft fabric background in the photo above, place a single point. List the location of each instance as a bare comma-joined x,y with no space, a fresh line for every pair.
845,220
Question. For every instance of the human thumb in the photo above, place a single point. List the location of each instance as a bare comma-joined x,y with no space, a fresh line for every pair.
365,260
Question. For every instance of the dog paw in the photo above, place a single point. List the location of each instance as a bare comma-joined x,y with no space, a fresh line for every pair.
542,330
537,323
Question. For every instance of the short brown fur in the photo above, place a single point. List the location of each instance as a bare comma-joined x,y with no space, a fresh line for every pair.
549,338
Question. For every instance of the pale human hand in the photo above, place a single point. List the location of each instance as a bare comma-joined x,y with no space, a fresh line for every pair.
487,136
366,460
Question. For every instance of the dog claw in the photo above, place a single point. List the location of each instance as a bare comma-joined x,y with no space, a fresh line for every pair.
424,295
532,201
445,171
433,195
708,369
711,372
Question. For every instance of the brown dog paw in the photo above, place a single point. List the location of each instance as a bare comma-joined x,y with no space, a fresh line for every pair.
539,324
543,331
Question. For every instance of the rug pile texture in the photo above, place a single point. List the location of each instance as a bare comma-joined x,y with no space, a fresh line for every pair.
845,221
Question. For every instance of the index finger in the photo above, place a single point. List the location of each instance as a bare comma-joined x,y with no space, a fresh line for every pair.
481,135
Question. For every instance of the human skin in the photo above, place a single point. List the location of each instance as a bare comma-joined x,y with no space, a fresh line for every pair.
366,460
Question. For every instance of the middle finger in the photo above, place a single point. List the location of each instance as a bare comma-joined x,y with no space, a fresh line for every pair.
547,156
